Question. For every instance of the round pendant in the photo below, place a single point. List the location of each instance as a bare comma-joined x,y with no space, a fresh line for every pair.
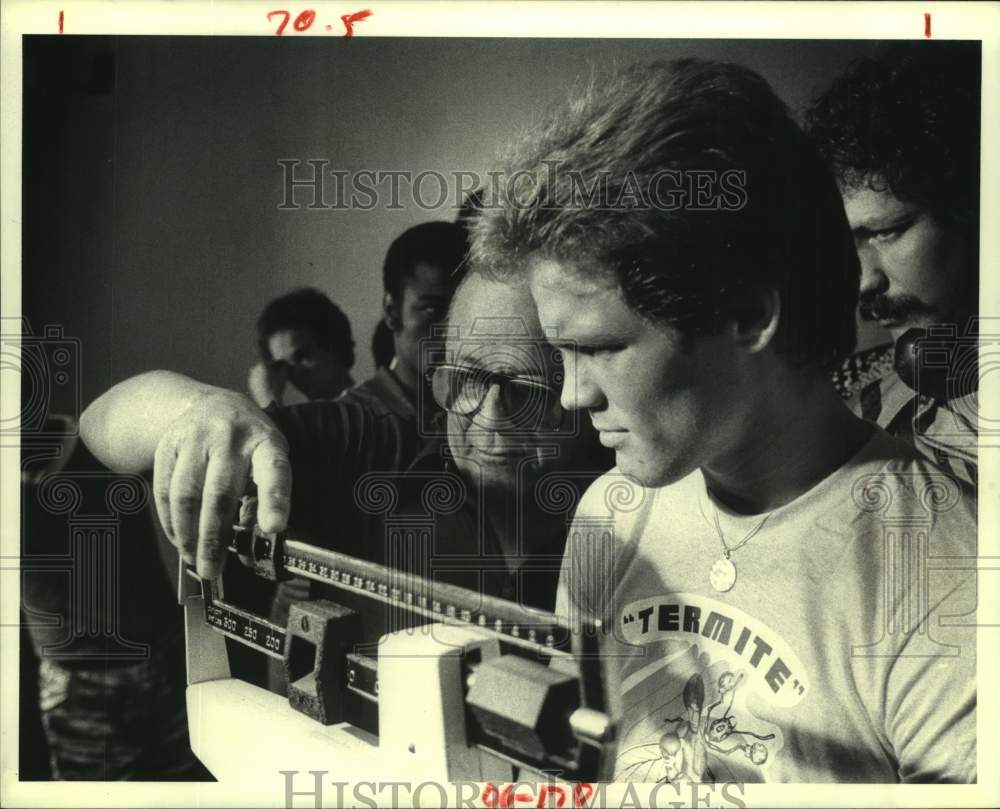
723,575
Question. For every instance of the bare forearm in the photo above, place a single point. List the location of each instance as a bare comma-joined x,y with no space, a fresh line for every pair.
123,426
204,444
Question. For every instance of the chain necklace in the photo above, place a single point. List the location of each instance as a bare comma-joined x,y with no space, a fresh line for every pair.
723,573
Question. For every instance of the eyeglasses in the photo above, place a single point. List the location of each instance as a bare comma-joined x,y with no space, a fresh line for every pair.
528,404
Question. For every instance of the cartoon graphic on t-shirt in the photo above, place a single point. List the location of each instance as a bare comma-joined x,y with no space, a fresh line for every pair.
722,728
692,702
682,749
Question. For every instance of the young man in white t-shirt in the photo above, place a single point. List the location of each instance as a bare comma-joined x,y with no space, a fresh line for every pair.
787,589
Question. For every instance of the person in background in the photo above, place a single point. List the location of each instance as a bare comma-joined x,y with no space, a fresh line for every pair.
305,343
109,647
422,267
307,352
901,133
392,412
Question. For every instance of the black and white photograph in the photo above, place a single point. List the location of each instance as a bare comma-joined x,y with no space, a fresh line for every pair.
499,404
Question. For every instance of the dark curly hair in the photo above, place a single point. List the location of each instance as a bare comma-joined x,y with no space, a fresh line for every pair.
310,310
442,244
907,121
691,269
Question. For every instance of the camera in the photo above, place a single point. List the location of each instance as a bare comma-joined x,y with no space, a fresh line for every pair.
47,366
941,363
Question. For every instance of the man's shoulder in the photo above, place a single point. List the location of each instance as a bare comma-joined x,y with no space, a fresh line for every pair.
362,400
894,457
863,368
891,484
382,393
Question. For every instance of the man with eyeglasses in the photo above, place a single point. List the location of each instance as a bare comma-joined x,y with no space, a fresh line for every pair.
502,443
510,441
505,434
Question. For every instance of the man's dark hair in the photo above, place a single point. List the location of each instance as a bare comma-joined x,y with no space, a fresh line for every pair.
907,121
691,269
313,312
441,244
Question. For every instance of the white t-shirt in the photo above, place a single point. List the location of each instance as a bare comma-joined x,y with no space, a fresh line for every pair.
845,651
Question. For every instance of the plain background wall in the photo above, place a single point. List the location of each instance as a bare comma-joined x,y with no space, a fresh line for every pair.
151,184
